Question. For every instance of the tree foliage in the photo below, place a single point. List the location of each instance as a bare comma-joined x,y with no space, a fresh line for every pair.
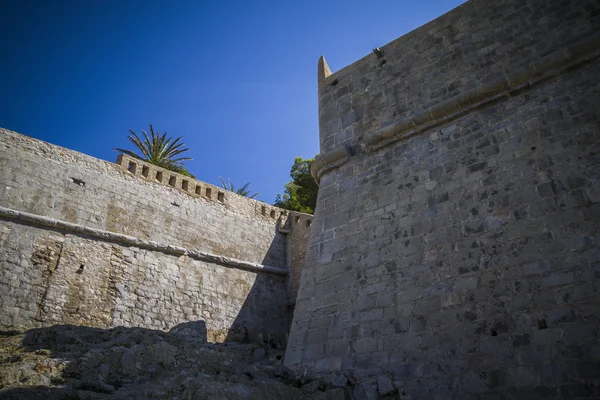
180,169
159,150
243,191
300,193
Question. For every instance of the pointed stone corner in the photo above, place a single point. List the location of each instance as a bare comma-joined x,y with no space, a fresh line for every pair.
324,70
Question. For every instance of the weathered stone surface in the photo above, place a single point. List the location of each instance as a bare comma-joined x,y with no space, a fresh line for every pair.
88,242
190,331
75,362
457,226
55,182
72,280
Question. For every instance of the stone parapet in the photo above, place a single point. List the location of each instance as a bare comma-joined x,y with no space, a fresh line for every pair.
196,188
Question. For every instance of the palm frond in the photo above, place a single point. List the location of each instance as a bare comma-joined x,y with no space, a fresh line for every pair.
129,153
147,144
156,149
223,183
243,191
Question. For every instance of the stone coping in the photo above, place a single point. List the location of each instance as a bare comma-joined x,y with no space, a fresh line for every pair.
38,220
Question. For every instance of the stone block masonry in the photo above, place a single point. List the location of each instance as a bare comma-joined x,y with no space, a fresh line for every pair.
88,242
58,183
73,279
455,246
297,229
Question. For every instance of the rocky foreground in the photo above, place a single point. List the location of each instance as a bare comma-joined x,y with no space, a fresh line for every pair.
74,362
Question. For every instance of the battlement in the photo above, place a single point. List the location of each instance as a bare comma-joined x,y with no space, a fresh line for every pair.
196,188
164,176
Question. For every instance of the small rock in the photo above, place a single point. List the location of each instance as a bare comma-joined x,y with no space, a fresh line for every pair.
93,386
164,353
311,387
241,391
194,331
43,352
107,388
42,368
104,370
336,394
128,362
258,354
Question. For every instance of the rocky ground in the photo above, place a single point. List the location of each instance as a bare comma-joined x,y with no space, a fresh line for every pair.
74,362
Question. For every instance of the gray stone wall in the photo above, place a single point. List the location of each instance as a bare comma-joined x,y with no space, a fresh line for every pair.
87,242
455,245
297,229
48,180
51,277
443,63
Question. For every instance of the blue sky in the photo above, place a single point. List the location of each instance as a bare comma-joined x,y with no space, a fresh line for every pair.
236,79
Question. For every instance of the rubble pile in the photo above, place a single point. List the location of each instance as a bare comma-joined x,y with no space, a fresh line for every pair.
75,362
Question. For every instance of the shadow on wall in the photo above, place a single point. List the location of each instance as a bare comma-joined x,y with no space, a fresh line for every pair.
94,360
264,317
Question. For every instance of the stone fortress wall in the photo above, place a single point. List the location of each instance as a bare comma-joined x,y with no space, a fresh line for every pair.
455,247
88,242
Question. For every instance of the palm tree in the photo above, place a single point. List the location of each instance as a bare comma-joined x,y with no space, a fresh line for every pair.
243,191
158,150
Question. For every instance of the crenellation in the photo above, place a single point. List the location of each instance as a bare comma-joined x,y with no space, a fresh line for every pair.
186,184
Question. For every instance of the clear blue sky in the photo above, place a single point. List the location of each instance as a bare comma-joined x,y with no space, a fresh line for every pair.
236,79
